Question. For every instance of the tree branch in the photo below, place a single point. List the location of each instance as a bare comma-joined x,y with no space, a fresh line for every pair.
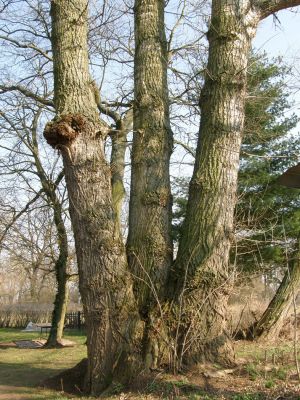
28,93
268,7
26,46
19,214
191,151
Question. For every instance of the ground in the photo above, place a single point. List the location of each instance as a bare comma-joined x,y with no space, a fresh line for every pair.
264,372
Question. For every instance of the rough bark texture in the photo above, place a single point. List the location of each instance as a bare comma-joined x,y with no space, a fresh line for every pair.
149,242
105,284
202,272
272,320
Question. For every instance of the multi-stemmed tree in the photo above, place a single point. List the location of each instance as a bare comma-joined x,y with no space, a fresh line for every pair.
123,305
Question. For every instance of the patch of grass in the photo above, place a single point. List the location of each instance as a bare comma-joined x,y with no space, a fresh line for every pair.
21,370
115,388
176,389
33,394
281,374
252,371
269,384
12,334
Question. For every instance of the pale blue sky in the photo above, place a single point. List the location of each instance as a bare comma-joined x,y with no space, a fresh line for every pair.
281,37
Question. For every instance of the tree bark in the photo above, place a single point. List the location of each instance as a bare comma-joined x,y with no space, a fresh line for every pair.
203,275
77,131
268,7
270,324
149,245
61,297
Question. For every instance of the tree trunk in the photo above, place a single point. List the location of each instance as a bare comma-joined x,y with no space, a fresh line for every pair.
117,165
61,297
33,279
272,320
202,272
104,282
149,245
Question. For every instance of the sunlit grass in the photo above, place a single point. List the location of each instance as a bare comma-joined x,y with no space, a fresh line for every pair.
22,370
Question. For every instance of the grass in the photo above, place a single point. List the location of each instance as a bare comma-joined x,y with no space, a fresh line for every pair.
21,370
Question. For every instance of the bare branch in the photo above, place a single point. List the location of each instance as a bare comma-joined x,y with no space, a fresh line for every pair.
20,213
191,151
268,7
26,46
28,93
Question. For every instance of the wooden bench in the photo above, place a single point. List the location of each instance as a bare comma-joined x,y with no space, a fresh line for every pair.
44,327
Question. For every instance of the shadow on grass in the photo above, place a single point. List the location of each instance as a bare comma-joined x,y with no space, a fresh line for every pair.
25,374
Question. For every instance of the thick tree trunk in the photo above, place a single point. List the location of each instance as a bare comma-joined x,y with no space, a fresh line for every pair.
272,320
149,245
202,272
105,284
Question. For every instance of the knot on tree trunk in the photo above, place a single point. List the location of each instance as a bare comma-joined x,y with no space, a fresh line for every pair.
63,131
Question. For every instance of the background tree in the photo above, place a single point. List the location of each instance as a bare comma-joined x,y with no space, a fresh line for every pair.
268,149
267,214
28,171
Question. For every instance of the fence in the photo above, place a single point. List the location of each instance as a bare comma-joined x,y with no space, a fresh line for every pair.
21,318
74,320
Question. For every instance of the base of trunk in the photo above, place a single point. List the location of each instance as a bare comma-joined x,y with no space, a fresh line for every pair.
217,351
53,344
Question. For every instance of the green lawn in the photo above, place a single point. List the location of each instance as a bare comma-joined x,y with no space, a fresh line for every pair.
21,370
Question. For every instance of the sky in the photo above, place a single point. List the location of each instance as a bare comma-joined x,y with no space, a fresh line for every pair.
279,37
